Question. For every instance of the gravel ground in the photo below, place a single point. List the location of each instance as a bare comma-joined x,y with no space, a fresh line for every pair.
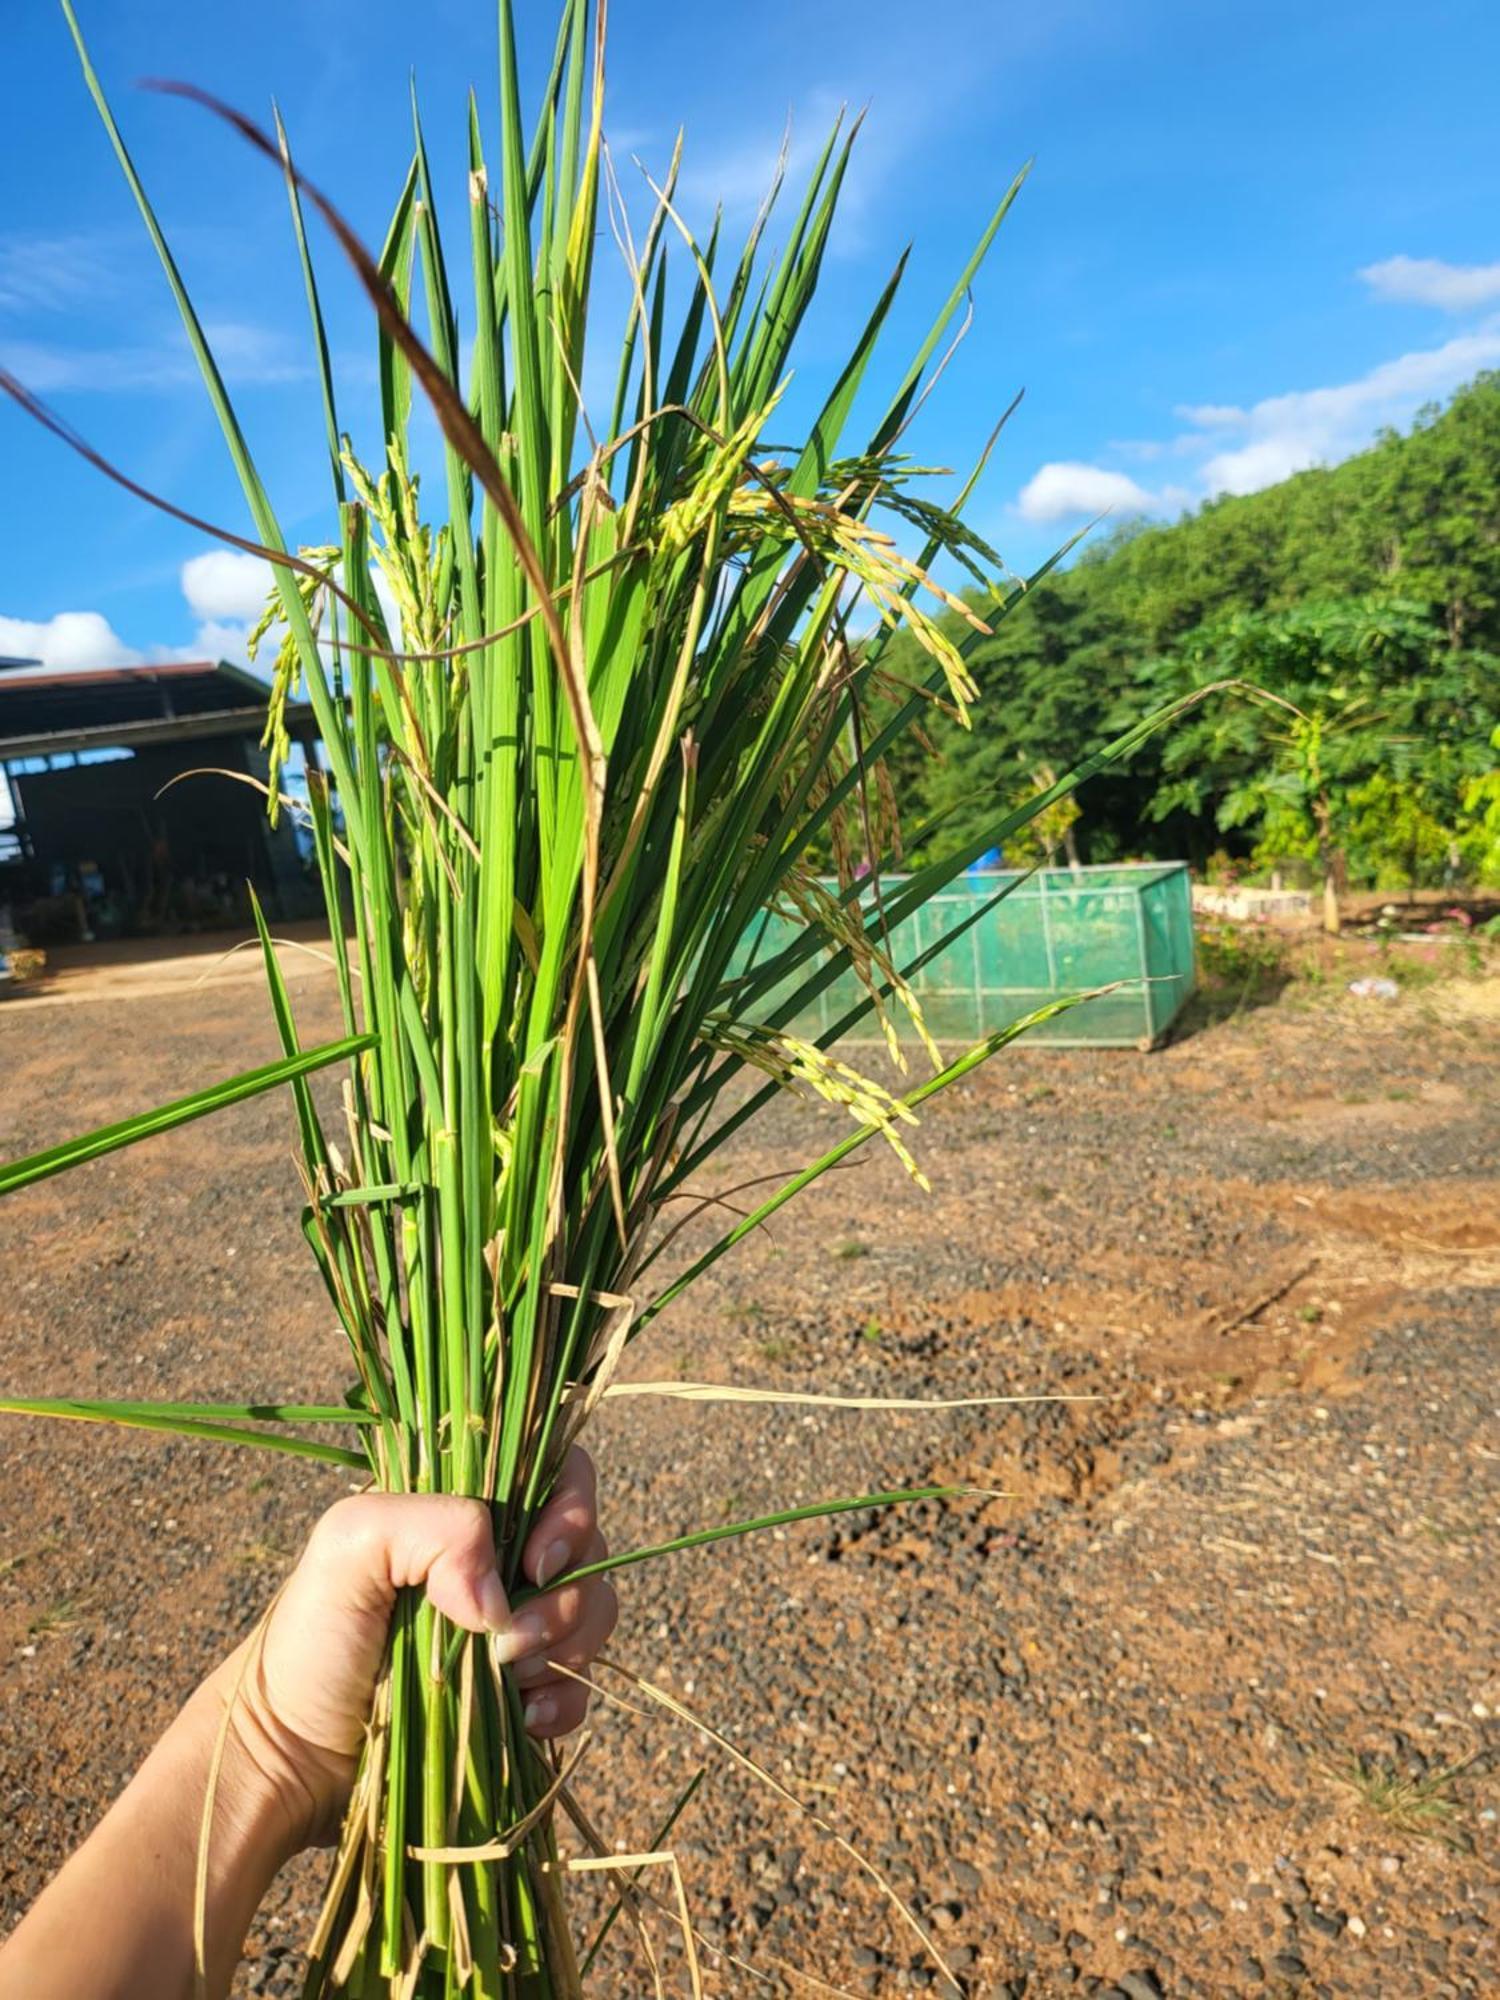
1208,1704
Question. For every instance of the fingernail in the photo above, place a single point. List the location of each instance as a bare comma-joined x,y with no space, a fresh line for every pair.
553,1560
525,1632
493,1605
539,1713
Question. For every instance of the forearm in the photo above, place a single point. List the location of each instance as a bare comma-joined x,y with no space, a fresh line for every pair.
118,1922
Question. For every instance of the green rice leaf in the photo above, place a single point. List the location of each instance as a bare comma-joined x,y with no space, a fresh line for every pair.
816,1510
395,268
146,1124
315,309
171,1419
657,1841
900,408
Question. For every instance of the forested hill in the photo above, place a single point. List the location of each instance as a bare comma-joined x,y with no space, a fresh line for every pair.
1367,594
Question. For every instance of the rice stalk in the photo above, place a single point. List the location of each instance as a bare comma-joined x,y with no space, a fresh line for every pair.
620,714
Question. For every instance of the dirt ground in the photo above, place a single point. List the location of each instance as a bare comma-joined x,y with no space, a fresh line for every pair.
1209,1704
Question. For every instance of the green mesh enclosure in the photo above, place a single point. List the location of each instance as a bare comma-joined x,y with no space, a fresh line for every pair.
1055,932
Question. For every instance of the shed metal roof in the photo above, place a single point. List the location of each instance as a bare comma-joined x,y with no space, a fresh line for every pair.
47,698
45,709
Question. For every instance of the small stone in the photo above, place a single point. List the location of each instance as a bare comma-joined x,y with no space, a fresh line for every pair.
1327,1923
1251,1969
1357,1927
1143,1985
1038,1929
1288,1965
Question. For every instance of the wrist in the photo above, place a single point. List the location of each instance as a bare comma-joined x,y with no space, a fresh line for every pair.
264,1810
140,1907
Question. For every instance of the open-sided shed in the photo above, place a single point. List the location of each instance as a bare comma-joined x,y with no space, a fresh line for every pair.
107,831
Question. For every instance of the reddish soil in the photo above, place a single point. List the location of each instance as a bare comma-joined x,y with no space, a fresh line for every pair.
1130,1730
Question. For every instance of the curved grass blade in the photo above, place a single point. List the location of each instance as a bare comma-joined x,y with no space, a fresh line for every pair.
314,1147
315,309
259,1413
160,1417
658,1840
218,1097
729,1392
268,529
816,1511
896,415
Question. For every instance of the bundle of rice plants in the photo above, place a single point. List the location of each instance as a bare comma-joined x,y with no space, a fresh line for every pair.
587,714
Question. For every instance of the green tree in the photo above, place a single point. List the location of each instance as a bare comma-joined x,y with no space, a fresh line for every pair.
1357,753
1382,572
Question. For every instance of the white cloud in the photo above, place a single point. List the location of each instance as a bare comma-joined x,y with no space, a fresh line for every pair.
248,356
226,588
1286,434
252,354
1253,466
52,273
226,584
1210,416
1063,489
1231,449
215,639
73,639
46,369
739,175
1428,281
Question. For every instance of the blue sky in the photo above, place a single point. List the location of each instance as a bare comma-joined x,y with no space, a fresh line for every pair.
1252,237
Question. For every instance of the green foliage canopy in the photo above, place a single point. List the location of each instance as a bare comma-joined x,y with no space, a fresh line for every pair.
1366,595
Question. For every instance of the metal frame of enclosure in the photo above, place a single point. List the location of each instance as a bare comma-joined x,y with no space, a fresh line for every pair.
1052,933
